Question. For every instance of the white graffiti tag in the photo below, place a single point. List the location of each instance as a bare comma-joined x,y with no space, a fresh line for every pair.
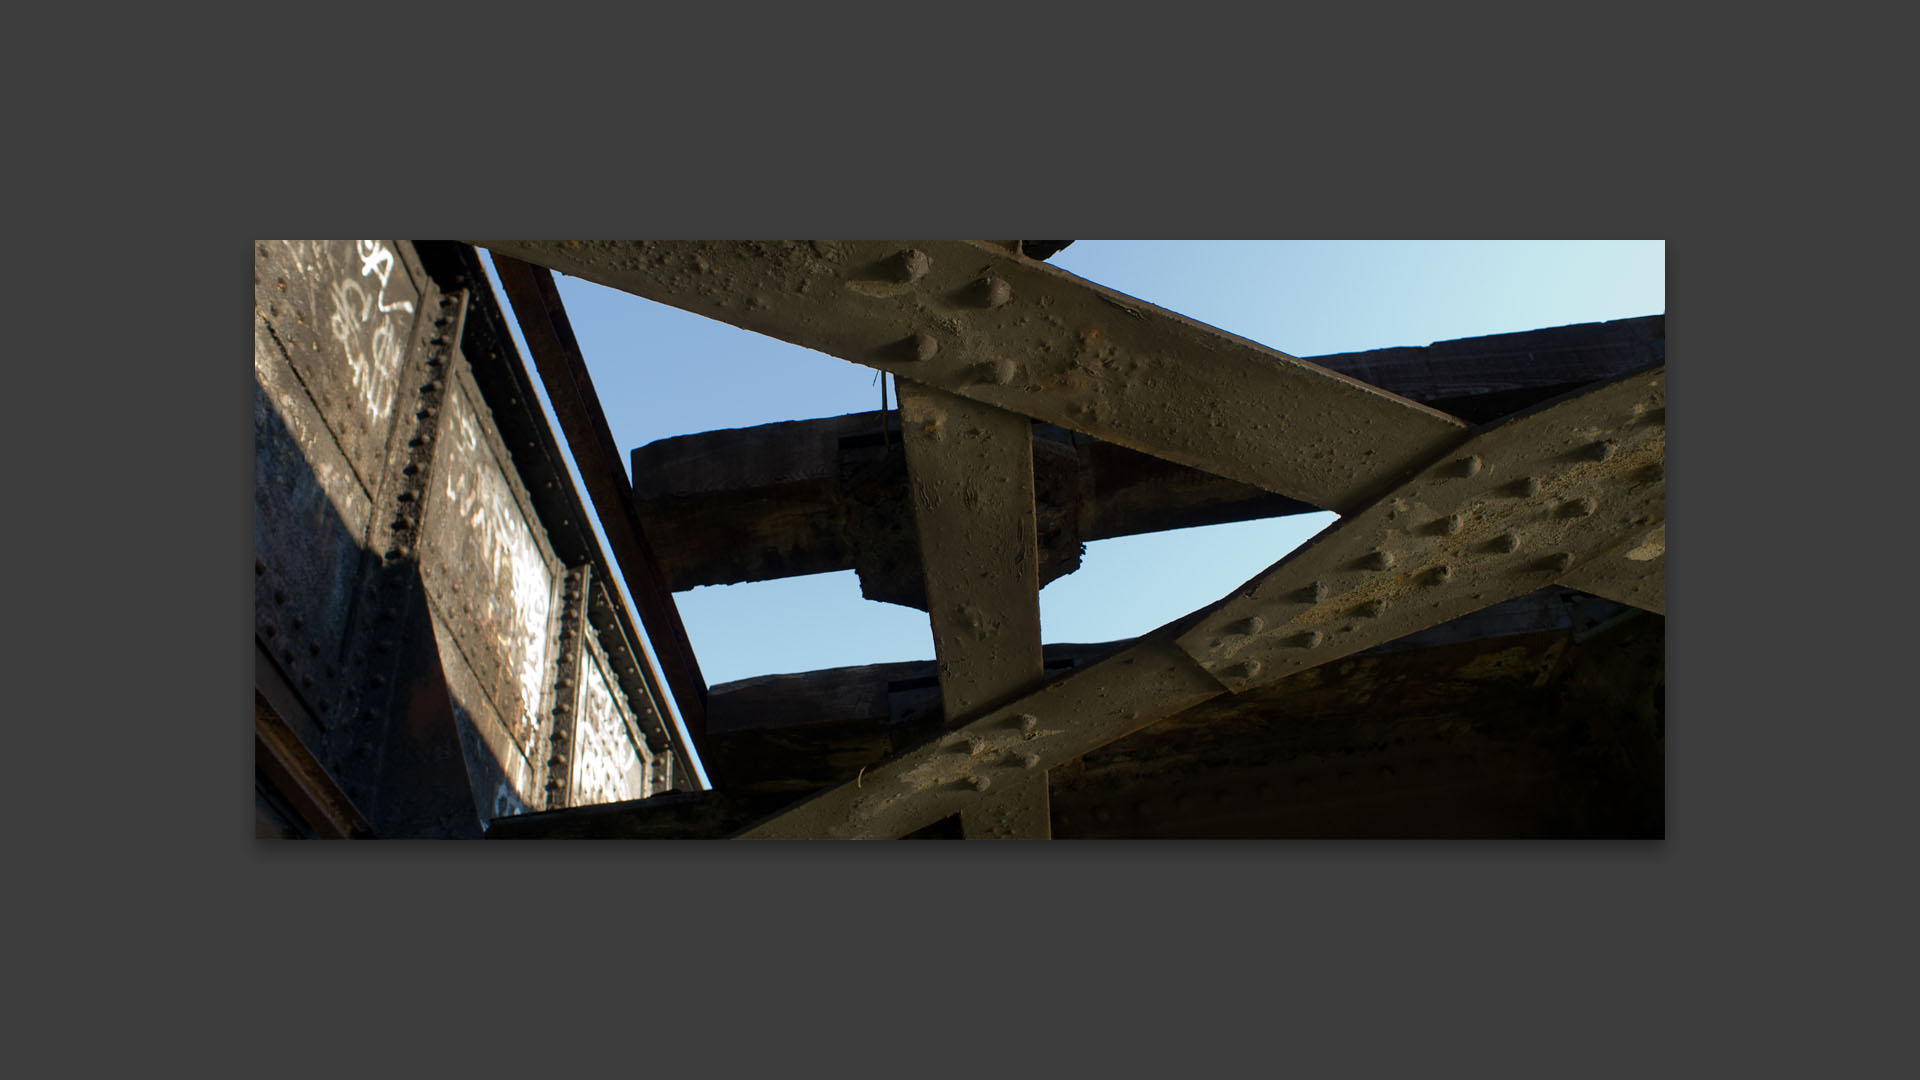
479,497
374,364
377,260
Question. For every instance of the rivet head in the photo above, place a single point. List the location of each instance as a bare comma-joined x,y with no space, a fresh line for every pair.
1527,486
1469,465
1450,525
1440,574
980,783
1252,624
920,347
1655,471
1028,722
1309,640
1583,507
1602,451
912,264
1558,561
1318,591
1245,669
1506,542
259,567
1373,609
1380,560
994,291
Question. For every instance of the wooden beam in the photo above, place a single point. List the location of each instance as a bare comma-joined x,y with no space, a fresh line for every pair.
970,467
978,321
563,371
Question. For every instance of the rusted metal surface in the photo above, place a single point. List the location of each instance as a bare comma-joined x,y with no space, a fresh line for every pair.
292,771
773,501
971,469
1563,484
488,567
563,371
494,362
974,320
405,595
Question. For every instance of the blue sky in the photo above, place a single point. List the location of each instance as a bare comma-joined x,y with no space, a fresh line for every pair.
662,372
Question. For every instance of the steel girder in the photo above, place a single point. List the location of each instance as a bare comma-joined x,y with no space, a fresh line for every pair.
1440,521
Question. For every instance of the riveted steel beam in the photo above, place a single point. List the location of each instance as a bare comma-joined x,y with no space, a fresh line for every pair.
976,320
1513,510
1569,483
1635,574
563,371
970,468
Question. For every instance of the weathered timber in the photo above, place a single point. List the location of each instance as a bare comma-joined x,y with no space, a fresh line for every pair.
772,501
970,469
978,321
563,371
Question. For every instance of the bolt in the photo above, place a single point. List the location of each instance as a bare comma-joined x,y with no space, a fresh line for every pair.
1470,465
1602,451
993,291
1527,487
1252,624
1380,560
1558,561
1245,669
980,783
1318,591
1439,574
1450,525
1373,609
1029,761
1583,507
1507,542
912,264
1310,640
1028,722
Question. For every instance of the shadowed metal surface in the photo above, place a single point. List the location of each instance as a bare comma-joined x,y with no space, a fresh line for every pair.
1473,529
